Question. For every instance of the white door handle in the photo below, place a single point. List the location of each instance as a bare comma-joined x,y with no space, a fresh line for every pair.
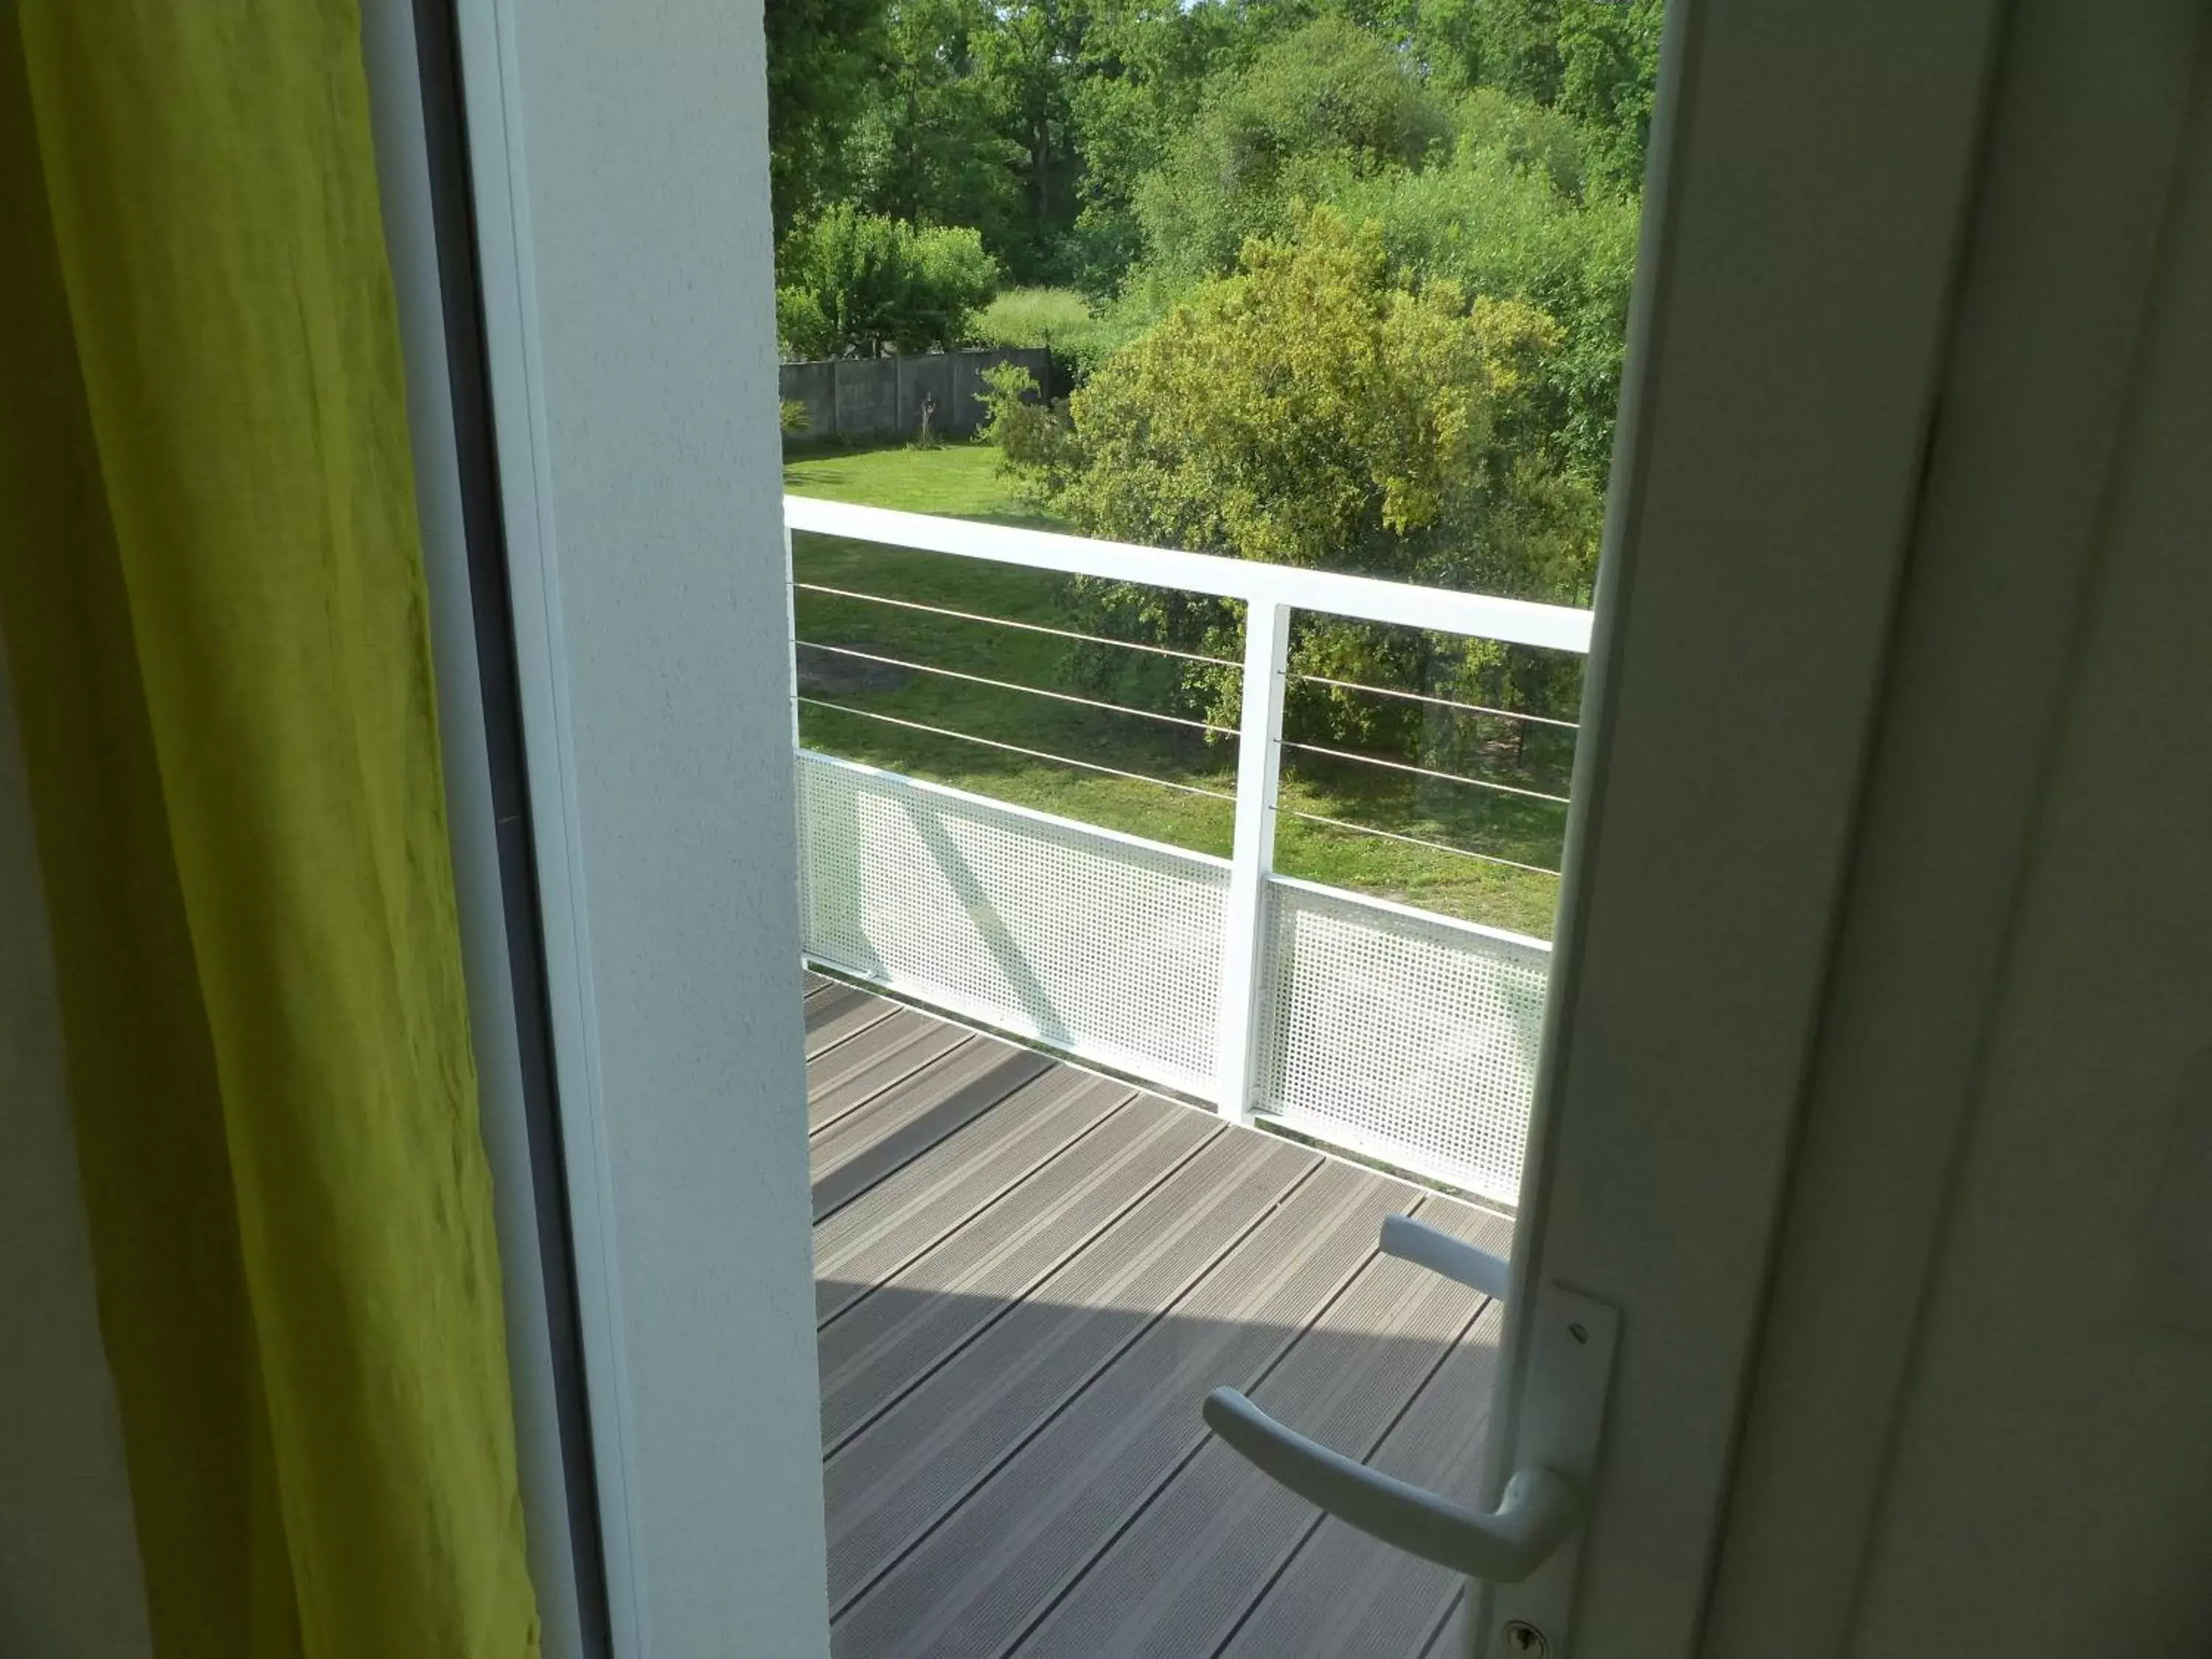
1538,1511
1528,1542
1440,1253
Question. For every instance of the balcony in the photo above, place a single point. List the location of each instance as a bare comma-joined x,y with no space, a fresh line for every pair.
1074,1170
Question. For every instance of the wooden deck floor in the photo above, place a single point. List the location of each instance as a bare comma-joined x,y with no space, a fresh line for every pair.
1026,1277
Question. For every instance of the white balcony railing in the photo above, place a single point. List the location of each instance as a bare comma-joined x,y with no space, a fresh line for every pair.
1387,1030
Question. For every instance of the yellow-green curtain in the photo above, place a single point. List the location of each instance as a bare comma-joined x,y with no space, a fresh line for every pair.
211,585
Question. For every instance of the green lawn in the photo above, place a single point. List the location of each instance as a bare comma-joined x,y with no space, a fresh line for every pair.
961,480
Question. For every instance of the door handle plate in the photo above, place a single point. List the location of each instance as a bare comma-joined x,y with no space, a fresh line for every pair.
1569,1371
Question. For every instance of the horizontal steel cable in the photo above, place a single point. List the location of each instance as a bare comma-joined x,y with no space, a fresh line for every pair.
1185,656
1415,840
1008,622
1015,748
1441,703
1010,685
1424,771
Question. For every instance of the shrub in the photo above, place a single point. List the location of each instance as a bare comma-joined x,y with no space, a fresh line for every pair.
1032,435
1313,409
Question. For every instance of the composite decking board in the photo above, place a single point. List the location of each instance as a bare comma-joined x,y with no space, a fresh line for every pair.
1180,1578
1344,1595
830,1068
882,1346
810,981
847,1157
872,1062
906,1214
933,1309
970,1587
1448,1642
920,1459
839,1014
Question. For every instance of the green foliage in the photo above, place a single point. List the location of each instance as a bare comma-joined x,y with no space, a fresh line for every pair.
1314,410
1307,410
790,416
929,146
1056,317
1596,61
1509,199
1067,131
1608,73
1329,104
1497,219
1032,435
824,57
855,283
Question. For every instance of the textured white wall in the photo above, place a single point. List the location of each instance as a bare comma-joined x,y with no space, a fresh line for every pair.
70,1584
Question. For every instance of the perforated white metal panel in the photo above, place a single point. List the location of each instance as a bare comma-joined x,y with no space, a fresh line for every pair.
1099,944
1404,1036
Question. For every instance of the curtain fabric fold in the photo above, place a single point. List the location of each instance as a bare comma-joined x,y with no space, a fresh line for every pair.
211,585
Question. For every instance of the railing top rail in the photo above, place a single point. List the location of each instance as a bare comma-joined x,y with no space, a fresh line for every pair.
1517,622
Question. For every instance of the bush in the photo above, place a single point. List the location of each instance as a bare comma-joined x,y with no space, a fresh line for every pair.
791,416
852,284
1032,435
1312,409
1495,219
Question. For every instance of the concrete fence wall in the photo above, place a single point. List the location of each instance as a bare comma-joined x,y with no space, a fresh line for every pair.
883,397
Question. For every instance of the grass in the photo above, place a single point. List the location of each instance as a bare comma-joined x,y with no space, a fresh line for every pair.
962,480
957,478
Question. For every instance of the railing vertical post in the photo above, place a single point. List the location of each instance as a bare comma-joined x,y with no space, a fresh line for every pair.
791,627
1243,944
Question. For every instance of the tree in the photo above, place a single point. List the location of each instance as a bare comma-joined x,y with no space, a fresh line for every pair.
1033,57
1326,104
1594,61
822,58
1609,74
858,283
929,145
1146,71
